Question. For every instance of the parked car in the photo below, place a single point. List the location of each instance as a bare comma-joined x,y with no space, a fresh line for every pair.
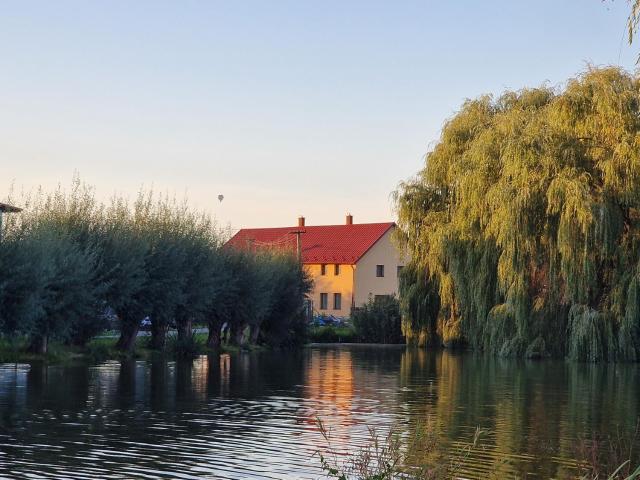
328,320
110,319
145,323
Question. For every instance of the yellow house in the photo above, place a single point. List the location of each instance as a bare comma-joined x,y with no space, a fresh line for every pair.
348,263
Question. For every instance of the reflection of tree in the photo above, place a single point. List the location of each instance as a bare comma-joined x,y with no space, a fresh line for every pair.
158,410
159,385
533,411
126,385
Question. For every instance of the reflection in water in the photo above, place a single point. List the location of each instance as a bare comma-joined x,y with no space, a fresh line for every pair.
253,415
329,378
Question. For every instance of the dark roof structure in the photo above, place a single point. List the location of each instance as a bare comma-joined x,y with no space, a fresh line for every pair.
6,208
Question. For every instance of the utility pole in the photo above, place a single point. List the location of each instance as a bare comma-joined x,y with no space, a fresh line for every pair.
297,233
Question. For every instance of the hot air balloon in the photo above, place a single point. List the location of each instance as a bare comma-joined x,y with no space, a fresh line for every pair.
220,198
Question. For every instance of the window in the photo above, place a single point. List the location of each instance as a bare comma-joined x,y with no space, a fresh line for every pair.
337,301
324,301
336,269
400,267
379,270
323,269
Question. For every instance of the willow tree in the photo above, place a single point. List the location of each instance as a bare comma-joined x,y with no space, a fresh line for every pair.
526,218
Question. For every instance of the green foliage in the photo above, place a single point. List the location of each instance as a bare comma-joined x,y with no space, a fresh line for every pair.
419,306
284,322
185,347
67,258
333,334
523,226
378,321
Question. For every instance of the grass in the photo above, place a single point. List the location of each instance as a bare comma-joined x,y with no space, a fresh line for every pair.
14,350
103,348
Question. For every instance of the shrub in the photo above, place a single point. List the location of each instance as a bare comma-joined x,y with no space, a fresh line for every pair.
378,321
333,334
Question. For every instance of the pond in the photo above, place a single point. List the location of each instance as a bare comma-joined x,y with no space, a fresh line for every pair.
253,415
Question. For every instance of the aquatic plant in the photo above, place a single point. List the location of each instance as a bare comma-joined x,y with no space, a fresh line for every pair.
392,456
418,456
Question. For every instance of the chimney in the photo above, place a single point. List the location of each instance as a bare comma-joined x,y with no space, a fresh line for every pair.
349,219
301,221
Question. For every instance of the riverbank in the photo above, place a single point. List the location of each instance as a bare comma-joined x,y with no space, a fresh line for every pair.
104,348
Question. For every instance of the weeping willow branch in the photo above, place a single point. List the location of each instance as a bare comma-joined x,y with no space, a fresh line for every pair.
523,228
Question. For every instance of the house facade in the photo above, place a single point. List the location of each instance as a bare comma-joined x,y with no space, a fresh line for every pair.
348,263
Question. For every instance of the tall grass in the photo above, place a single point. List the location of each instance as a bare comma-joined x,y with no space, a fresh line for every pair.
418,455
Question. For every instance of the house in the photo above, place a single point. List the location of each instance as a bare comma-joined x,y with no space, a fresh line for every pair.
5,208
348,263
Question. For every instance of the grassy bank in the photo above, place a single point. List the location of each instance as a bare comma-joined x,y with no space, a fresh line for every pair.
104,348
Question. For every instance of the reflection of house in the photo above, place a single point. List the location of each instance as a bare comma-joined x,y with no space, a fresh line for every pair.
329,378
348,263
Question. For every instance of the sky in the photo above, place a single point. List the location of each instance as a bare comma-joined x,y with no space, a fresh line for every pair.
287,108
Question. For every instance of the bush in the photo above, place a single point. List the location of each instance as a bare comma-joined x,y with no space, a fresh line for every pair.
331,334
186,347
378,321
99,350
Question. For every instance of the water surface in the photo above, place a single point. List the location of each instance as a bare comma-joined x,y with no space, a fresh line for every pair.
253,415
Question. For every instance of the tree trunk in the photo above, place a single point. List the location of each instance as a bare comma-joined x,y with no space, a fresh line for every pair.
184,329
255,333
78,340
128,335
237,334
39,344
213,340
159,335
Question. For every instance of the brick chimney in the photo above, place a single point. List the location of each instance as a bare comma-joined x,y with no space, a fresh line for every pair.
349,219
300,221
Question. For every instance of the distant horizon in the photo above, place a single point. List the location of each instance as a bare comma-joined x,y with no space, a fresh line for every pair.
286,109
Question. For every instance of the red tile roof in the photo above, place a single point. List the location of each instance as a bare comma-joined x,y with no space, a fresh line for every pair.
342,244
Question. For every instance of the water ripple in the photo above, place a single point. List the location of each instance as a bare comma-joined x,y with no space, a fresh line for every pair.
254,415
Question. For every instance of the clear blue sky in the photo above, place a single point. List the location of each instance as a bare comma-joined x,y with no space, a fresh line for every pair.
285,107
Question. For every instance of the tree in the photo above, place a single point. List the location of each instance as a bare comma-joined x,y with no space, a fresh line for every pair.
123,259
526,219
68,259
285,324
